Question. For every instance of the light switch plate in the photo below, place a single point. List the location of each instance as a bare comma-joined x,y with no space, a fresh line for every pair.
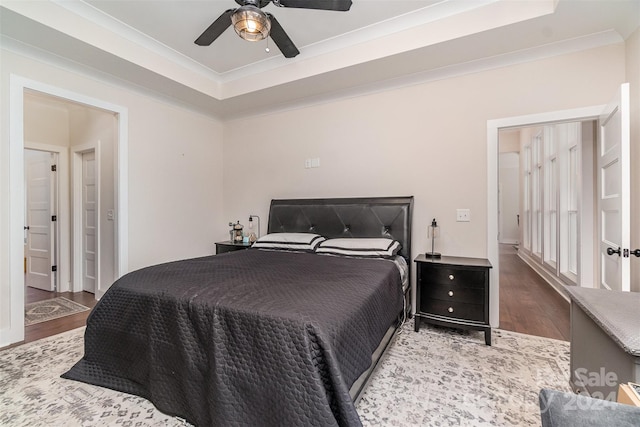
463,215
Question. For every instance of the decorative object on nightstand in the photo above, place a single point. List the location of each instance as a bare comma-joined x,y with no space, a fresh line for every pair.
433,231
237,232
229,246
454,292
253,236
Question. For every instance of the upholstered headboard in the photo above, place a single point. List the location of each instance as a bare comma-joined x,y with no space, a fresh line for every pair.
346,217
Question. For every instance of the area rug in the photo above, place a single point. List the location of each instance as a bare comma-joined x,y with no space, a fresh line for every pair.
41,311
435,377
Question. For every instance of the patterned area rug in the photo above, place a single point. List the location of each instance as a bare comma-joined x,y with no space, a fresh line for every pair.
436,377
50,309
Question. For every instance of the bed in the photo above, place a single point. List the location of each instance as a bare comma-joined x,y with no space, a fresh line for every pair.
262,336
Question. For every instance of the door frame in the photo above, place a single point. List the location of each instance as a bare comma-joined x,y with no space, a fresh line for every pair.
78,229
14,245
493,128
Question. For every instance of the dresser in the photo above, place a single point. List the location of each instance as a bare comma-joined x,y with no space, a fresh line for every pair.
454,292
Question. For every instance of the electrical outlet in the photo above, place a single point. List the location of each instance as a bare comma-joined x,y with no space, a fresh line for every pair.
463,215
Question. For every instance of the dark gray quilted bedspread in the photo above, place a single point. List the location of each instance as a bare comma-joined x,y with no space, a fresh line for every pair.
247,338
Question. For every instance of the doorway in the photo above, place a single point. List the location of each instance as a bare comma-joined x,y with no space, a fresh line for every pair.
553,199
13,307
620,103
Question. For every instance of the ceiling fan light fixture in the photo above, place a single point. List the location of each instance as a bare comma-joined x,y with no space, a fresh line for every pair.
250,23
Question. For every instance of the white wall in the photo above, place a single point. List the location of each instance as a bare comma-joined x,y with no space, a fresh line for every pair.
45,123
175,172
427,140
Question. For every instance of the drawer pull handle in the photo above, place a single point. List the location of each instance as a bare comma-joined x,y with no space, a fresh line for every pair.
450,293
450,309
451,277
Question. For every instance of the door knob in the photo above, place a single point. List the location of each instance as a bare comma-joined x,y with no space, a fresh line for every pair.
636,253
611,251
26,227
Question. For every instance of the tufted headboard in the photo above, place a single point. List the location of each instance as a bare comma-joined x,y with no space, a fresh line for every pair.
346,217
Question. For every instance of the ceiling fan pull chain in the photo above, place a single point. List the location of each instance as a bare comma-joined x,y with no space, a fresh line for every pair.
267,49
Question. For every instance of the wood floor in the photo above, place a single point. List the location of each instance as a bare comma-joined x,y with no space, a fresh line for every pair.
56,326
528,304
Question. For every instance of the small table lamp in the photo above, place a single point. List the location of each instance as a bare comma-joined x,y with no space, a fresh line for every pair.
252,236
433,231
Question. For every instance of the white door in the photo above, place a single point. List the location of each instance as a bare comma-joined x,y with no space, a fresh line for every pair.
614,193
509,198
89,222
40,184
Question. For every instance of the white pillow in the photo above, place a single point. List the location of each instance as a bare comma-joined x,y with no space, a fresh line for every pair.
305,242
361,247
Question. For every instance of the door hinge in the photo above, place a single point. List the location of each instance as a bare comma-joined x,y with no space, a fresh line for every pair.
54,218
54,168
625,253
54,268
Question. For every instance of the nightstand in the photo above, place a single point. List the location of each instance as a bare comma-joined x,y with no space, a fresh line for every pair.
454,292
228,246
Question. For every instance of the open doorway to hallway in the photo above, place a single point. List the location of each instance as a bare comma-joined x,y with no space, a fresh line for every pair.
545,220
553,193
600,248
112,131
63,196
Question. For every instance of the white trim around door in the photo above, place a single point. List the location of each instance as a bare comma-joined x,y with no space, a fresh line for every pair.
12,321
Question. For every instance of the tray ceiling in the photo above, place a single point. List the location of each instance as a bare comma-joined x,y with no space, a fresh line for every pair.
377,44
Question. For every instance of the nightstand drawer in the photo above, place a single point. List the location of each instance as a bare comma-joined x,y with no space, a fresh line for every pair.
457,277
452,293
457,310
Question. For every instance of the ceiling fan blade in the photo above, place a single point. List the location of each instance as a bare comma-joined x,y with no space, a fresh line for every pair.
338,5
281,39
216,29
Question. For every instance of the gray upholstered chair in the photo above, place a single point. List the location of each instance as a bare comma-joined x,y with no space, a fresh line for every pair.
562,409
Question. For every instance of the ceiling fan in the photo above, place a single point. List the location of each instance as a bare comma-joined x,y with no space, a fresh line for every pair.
252,24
